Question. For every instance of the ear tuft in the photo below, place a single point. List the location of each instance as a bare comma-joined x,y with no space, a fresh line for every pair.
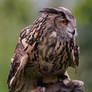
49,10
53,11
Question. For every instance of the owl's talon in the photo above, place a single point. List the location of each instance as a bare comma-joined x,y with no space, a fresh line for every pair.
74,82
77,82
66,82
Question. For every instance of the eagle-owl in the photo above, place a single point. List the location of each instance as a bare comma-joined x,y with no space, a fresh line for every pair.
44,51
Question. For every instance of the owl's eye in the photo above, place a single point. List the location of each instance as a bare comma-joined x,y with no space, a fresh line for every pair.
64,22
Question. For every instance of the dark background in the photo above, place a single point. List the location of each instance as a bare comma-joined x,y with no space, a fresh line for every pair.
17,14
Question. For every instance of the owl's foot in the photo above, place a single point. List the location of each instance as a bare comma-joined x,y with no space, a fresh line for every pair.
68,82
77,82
66,86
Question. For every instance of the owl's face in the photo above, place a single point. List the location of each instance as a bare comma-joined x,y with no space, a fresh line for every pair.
63,20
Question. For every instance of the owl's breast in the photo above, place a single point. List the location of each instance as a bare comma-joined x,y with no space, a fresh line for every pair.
52,55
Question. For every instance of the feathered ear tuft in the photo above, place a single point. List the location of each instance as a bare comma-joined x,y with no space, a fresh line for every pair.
49,10
53,11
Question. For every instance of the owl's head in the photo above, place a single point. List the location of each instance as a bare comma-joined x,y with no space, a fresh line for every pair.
62,19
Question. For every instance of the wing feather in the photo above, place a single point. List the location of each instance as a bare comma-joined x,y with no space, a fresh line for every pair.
19,56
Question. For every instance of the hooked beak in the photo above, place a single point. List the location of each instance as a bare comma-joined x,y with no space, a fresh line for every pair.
72,33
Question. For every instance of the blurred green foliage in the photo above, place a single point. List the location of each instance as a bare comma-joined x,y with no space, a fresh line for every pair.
83,12
14,16
17,14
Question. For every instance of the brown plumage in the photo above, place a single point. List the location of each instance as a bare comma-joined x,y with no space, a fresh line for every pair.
45,50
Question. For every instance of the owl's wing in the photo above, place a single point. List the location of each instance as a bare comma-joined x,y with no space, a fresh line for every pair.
18,60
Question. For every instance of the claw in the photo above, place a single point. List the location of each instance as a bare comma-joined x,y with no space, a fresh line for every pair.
77,82
66,82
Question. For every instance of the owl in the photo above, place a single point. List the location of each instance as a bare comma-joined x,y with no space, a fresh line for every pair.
44,51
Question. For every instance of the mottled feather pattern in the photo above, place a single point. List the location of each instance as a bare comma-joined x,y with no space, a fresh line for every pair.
15,62
41,47
48,46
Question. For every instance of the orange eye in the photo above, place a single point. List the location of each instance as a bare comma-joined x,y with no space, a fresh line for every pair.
64,22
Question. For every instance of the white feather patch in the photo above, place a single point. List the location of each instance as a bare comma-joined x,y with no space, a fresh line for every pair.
24,43
54,34
11,80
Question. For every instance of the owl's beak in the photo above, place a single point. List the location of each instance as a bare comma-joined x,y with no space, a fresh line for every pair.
73,32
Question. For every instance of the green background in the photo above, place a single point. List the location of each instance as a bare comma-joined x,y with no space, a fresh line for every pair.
17,14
